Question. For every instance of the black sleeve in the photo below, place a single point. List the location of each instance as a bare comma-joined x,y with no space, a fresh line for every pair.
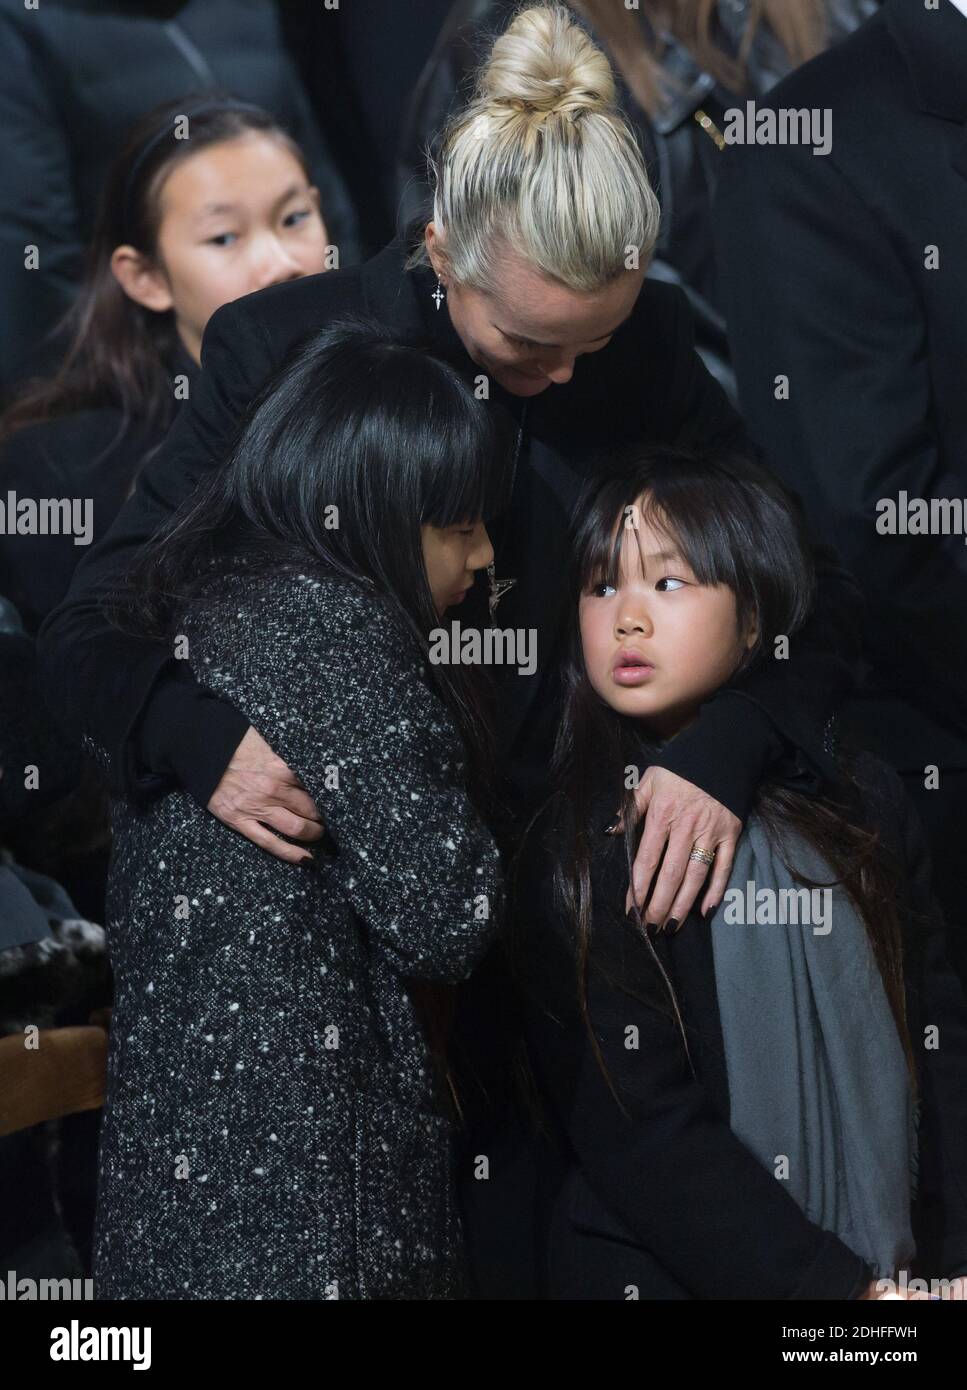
816,289
772,716
667,1165
101,682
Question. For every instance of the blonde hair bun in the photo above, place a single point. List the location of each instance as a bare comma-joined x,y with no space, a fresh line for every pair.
545,63
543,162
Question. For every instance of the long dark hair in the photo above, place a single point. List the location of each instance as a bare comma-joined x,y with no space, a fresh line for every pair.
117,353
366,421
735,525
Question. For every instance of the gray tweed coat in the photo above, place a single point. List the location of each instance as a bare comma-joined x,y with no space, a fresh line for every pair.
273,1126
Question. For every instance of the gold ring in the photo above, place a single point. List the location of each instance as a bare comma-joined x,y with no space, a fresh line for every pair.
702,856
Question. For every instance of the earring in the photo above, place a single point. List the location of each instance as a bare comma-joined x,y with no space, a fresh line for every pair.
439,294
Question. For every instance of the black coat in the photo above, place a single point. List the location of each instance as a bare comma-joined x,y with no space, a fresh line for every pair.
76,78
824,263
90,455
666,1199
146,722
274,1125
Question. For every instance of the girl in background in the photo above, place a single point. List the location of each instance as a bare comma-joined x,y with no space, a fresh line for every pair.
185,225
733,1098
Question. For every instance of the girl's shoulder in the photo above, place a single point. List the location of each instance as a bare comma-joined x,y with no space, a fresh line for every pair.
296,621
313,601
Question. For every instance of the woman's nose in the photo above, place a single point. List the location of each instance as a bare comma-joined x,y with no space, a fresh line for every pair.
560,372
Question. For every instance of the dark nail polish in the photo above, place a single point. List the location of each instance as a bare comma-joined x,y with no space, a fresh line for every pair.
652,926
672,924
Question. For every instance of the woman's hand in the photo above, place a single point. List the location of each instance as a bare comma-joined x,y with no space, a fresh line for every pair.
258,789
679,815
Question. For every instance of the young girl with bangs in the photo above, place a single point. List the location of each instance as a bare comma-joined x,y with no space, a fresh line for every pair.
275,1124
732,1102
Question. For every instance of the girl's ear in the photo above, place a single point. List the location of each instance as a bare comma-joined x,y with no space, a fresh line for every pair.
140,279
752,636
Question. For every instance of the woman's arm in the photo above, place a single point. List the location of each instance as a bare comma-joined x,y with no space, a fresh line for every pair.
109,688
338,690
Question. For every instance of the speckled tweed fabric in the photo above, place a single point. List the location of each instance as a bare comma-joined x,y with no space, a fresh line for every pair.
272,1126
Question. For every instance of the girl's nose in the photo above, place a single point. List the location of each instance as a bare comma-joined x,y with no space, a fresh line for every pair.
482,552
631,622
275,266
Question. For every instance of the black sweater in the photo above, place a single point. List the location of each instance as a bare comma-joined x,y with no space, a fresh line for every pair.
91,456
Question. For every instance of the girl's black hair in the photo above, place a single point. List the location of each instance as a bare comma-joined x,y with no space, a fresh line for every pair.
359,420
735,525
117,353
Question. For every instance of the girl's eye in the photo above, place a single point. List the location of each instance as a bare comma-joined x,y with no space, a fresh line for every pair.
292,218
678,583
222,239
596,590
466,531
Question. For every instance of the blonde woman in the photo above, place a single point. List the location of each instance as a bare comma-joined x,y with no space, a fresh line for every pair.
680,64
530,280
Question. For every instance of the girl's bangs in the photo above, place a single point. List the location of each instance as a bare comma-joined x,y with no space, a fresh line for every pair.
671,510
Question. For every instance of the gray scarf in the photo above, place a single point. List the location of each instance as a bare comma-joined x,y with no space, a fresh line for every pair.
816,1071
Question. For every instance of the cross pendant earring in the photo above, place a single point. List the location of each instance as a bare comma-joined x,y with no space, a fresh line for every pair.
438,296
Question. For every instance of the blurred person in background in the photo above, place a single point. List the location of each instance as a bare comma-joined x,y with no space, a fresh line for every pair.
185,226
77,76
846,275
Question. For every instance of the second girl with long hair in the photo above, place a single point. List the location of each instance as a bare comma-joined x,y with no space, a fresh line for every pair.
733,1098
